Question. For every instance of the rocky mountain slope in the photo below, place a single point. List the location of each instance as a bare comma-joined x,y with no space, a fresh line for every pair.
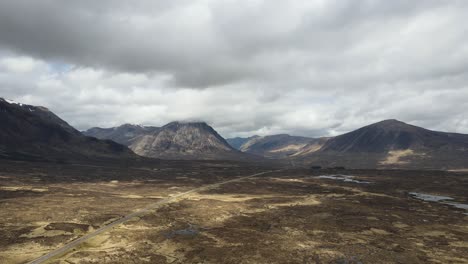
176,140
35,133
274,146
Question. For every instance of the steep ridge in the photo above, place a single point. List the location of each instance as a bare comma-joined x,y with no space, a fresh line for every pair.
34,132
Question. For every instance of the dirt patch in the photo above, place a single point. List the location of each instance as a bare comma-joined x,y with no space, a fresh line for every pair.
395,157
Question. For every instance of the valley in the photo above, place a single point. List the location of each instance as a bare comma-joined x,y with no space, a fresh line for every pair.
288,216
388,192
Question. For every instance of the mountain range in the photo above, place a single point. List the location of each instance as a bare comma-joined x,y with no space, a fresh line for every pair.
34,132
389,143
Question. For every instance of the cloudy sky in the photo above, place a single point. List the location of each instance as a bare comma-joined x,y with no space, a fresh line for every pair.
311,67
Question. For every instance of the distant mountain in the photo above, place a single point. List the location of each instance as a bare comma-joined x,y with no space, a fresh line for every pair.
391,143
35,133
237,142
176,140
275,146
394,135
123,134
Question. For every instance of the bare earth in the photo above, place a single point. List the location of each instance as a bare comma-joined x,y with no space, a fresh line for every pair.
290,216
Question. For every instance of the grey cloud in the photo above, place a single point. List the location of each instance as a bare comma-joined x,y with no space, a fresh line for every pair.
248,67
206,43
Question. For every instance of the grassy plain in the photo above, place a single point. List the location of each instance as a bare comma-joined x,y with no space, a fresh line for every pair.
288,216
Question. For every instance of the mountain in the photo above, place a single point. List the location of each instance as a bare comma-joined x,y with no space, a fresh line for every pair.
391,143
176,140
394,135
35,133
237,142
123,134
275,146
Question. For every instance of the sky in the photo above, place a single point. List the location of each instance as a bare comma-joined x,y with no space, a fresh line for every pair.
309,68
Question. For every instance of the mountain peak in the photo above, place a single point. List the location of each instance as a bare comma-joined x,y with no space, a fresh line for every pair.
9,101
175,140
176,125
389,121
128,125
186,123
394,125
186,140
381,137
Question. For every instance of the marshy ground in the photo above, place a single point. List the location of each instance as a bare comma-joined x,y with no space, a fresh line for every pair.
288,216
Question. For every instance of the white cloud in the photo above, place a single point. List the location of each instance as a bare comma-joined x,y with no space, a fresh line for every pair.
20,64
